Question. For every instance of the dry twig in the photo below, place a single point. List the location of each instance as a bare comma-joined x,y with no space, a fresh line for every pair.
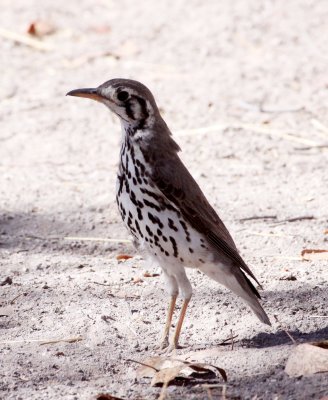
24,39
294,219
16,297
42,341
256,217
285,330
267,234
265,110
317,124
265,130
227,341
102,284
232,339
96,239
143,364
69,340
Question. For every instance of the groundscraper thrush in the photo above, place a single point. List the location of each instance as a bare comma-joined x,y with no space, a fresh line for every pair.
164,208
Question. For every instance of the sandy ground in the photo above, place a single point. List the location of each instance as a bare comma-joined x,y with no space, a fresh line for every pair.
243,86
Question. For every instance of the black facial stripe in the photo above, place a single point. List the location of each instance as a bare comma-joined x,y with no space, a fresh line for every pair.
143,106
144,114
128,109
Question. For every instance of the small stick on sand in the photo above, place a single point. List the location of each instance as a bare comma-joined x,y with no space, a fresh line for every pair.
265,130
143,364
294,219
285,330
227,341
24,39
102,284
69,340
319,146
290,258
255,217
322,128
265,110
97,239
232,339
267,234
16,297
42,341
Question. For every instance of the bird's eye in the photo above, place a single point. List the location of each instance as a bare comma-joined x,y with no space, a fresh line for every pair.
122,95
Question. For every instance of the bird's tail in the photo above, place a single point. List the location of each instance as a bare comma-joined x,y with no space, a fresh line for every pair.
235,280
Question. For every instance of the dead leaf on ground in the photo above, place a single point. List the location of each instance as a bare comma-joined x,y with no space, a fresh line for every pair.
308,359
165,370
314,254
326,232
107,396
41,28
149,275
123,257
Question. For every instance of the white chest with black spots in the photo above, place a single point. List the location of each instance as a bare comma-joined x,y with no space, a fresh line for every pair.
153,220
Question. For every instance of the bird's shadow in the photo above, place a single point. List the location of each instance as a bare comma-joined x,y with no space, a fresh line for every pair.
279,338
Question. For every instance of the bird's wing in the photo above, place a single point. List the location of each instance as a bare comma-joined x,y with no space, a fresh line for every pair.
182,190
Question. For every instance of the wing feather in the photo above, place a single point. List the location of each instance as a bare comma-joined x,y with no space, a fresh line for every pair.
183,191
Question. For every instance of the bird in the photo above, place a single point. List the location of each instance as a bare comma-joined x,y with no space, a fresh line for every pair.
163,207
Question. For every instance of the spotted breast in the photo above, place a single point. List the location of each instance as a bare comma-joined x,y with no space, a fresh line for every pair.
155,222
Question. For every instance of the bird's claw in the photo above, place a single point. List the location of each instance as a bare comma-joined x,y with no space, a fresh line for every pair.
165,343
167,348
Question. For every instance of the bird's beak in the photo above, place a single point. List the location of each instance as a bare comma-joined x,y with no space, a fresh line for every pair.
89,93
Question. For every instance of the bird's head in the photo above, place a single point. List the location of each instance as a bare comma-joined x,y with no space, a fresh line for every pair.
130,100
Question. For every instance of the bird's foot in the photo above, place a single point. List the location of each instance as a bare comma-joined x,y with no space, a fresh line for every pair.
164,344
167,348
172,348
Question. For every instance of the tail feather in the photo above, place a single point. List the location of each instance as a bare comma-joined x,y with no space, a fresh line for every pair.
258,310
235,280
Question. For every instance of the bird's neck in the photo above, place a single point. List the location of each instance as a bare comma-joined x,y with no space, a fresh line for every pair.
134,140
134,135
154,143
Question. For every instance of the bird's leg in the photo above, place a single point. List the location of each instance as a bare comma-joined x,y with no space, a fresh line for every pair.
175,342
186,291
173,290
165,339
